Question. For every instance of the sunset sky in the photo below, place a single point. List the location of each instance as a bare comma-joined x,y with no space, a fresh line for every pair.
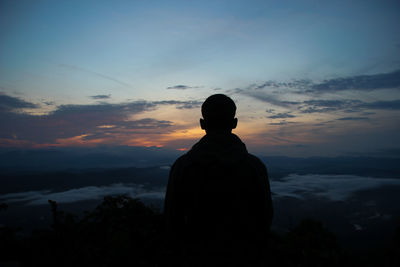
310,78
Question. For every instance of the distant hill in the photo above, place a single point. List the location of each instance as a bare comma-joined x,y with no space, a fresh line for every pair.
119,157
57,181
51,159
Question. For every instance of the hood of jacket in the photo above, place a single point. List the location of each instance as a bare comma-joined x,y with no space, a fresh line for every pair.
224,148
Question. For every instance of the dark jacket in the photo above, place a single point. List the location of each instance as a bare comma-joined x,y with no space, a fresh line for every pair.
218,200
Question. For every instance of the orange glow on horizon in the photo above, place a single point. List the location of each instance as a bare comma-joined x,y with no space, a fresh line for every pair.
73,141
143,141
161,140
4,142
180,137
191,133
106,126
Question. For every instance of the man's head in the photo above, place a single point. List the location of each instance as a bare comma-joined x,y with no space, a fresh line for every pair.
218,113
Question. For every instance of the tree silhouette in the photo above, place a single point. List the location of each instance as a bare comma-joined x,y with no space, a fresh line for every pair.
124,231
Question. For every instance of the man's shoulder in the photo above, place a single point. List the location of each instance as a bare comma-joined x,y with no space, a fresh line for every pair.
181,159
180,162
255,160
186,158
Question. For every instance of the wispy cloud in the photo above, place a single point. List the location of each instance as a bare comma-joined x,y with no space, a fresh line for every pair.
102,121
281,123
147,123
182,87
268,98
323,105
49,103
282,116
101,96
332,187
361,82
107,77
348,106
9,103
294,84
320,105
190,104
353,119
371,82
69,121
281,94
83,193
385,105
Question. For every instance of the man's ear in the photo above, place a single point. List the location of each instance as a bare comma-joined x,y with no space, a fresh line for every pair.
203,124
234,123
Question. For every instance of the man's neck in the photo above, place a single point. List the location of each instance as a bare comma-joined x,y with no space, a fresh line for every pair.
218,132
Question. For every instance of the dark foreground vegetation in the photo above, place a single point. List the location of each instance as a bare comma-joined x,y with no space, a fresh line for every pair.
123,231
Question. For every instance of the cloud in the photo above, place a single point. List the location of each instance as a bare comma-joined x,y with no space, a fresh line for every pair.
101,96
378,81
83,122
190,104
361,82
318,110
331,103
323,105
316,105
84,193
181,87
266,91
147,123
49,103
271,85
385,105
9,103
282,116
333,187
92,124
348,106
353,119
268,98
128,128
297,84
281,123
69,121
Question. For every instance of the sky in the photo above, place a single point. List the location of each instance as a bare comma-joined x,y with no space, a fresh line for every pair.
309,78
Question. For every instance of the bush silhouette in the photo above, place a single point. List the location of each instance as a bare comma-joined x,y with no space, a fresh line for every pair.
310,244
124,231
121,230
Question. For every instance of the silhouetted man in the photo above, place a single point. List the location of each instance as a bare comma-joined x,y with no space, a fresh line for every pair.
218,203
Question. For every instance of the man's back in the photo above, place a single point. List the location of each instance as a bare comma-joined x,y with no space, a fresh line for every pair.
218,201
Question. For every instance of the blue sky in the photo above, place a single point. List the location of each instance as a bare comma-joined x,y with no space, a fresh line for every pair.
309,77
